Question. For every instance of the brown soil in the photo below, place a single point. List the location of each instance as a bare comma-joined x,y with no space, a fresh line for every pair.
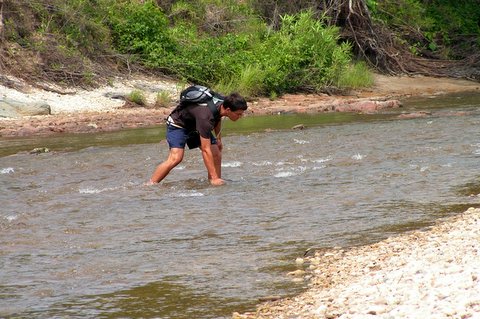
382,95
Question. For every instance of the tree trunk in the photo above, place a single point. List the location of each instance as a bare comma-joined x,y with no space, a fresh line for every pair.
1,22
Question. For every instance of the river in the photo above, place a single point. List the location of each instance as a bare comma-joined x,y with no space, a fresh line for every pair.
82,237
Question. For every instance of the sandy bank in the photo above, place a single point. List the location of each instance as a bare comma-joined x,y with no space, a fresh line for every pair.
80,111
433,273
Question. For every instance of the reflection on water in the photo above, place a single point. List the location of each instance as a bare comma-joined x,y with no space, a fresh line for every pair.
152,300
81,235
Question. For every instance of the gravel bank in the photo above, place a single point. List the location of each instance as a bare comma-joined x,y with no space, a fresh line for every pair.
85,111
434,273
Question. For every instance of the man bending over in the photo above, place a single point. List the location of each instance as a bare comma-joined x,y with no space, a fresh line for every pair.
192,124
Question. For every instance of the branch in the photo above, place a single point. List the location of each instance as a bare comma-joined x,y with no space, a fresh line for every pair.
2,33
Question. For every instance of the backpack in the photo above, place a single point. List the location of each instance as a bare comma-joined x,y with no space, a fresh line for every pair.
197,94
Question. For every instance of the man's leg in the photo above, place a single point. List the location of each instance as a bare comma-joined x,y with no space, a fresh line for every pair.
174,158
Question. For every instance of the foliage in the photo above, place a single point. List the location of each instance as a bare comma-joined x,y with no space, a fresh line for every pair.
248,83
254,47
163,99
74,23
63,36
431,25
303,54
355,76
137,97
140,29
455,23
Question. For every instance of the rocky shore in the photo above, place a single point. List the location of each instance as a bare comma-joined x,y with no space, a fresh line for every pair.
431,273
75,110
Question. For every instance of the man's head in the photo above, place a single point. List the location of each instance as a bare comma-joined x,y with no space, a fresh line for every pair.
234,105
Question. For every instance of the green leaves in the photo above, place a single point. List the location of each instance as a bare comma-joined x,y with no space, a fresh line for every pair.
211,42
303,54
140,28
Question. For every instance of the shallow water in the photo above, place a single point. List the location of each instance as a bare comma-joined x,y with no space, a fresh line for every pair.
81,237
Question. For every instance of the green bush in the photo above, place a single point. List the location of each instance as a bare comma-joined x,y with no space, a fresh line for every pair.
211,42
137,97
142,29
77,24
163,99
434,25
303,54
248,83
355,76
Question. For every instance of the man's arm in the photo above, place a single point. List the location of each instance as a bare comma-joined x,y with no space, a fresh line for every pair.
218,135
207,155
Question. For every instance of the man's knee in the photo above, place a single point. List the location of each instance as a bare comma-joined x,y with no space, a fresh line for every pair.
175,156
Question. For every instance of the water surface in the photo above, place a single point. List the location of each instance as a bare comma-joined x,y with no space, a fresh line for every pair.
81,237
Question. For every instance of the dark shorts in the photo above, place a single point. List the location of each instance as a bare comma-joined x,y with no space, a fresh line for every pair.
178,137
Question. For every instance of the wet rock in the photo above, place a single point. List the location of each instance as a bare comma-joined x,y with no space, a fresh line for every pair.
414,115
39,150
16,109
269,298
116,95
298,127
367,106
297,272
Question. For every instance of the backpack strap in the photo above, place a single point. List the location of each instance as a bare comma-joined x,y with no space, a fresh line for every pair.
213,105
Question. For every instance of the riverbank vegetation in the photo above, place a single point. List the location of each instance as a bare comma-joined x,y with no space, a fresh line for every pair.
256,47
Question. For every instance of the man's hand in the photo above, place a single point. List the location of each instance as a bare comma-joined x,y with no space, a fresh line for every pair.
217,181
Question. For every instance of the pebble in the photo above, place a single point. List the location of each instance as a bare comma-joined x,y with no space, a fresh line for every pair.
431,273
297,272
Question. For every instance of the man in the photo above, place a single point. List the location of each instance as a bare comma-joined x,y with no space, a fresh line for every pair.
182,126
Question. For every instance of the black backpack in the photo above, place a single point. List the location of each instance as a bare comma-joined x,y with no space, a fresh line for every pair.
197,94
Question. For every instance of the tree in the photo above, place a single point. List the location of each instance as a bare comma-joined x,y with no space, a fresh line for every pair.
372,41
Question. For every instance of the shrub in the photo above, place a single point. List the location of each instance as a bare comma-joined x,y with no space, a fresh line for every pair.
249,82
355,76
141,28
163,99
137,97
303,54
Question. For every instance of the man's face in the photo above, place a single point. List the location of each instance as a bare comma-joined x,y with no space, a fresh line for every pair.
234,115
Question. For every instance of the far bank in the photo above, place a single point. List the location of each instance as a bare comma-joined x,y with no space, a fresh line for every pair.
101,110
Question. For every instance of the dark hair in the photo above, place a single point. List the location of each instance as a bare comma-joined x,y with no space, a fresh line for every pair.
235,102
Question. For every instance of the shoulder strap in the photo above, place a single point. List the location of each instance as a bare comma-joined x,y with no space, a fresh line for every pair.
213,104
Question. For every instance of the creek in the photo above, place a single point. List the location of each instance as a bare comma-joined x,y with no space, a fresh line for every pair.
82,237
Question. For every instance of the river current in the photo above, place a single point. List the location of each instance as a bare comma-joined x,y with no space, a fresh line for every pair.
82,237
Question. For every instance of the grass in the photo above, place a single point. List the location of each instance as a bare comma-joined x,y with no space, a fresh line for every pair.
137,97
163,99
356,76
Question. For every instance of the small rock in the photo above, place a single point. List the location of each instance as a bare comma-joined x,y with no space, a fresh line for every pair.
297,280
297,272
16,109
39,150
269,298
298,127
